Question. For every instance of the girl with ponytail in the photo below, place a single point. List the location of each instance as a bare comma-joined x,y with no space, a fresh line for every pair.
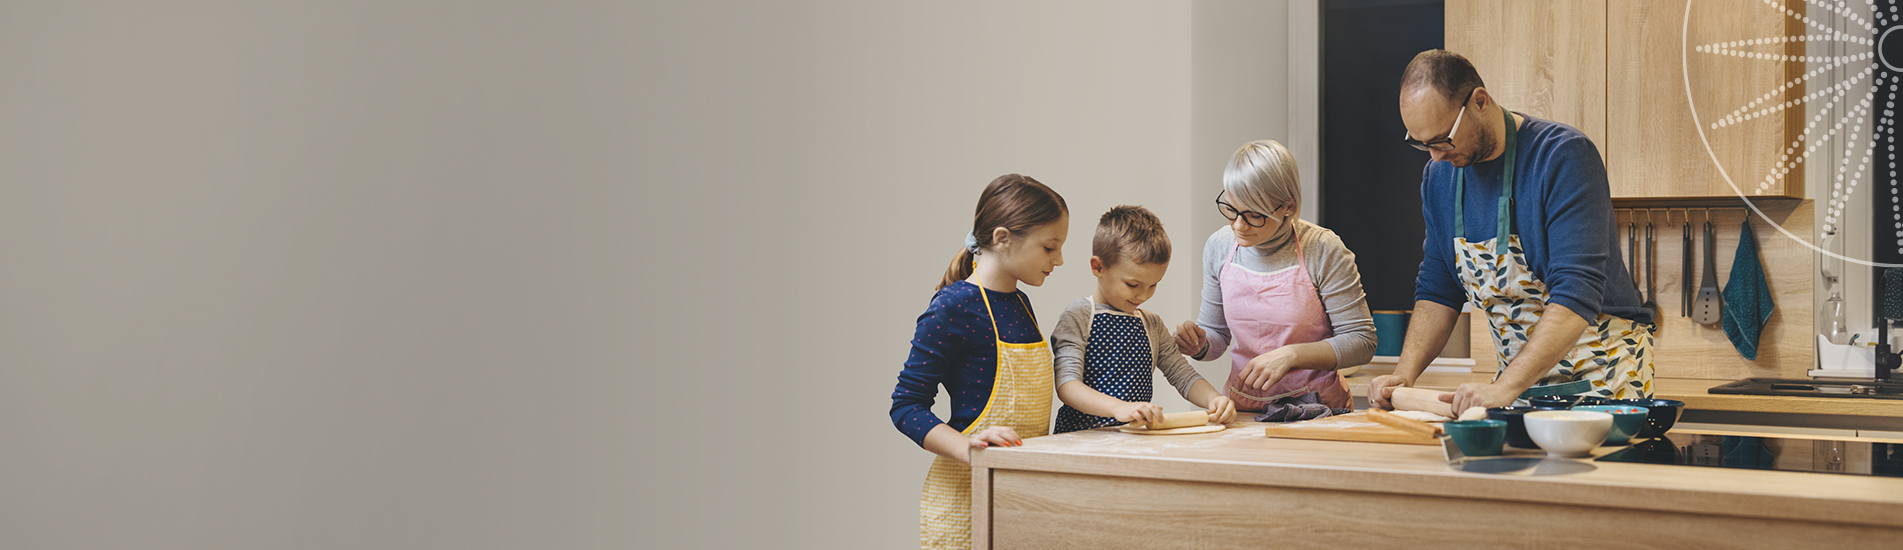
979,339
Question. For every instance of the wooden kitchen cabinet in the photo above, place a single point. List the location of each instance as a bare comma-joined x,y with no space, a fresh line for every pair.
1613,69
1653,146
1546,59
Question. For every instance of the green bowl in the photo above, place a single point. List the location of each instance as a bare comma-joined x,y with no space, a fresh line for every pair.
1477,437
1627,421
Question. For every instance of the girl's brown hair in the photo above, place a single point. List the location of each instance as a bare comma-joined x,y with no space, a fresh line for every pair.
1014,202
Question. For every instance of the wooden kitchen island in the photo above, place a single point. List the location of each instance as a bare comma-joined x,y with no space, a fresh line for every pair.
1240,489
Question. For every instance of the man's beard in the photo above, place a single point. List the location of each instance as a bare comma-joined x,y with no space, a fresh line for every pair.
1483,148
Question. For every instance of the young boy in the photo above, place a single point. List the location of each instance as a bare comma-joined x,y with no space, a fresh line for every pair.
1105,347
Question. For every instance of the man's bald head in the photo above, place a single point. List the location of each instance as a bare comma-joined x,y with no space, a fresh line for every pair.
1445,73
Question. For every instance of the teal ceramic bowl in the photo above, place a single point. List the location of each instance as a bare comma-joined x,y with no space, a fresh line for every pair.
1477,437
1627,421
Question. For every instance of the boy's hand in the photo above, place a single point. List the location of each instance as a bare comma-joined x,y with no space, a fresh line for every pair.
1139,413
1221,409
1190,339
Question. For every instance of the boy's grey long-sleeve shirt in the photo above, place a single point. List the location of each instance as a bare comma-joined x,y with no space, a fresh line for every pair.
1068,344
1330,264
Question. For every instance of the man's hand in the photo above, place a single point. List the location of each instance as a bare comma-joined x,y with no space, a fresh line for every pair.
1475,394
1381,390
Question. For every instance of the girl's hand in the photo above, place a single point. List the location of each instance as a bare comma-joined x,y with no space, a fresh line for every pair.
996,436
1139,413
1190,339
1267,369
1221,410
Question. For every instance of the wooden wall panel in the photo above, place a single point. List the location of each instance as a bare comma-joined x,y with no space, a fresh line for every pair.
1545,59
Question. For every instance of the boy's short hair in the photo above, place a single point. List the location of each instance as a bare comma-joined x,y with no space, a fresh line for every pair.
1131,230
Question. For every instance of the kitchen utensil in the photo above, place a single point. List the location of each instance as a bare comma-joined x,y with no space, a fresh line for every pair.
1632,252
1706,310
1416,399
1568,433
1650,275
1478,437
1409,425
1627,421
1354,426
1685,276
1180,420
1515,417
1563,402
1660,414
1131,429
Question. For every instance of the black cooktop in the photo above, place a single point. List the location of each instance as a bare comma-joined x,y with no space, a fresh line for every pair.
1766,453
1806,387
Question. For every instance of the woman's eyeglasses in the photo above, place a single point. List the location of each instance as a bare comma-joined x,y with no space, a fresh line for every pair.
1253,218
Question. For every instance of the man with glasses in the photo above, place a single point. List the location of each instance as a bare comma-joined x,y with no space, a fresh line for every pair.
1519,225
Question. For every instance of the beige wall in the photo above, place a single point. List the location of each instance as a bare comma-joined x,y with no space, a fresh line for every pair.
555,274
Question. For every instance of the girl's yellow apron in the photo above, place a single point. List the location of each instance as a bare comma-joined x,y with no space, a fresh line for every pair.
1021,399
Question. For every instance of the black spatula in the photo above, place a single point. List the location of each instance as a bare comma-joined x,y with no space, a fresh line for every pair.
1707,309
1685,276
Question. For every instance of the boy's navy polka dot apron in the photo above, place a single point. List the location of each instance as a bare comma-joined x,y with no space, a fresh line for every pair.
1117,362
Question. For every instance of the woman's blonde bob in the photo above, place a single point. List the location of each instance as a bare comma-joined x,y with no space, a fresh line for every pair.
1262,177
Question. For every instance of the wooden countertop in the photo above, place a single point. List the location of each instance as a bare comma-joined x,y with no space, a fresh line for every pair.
1244,455
1691,391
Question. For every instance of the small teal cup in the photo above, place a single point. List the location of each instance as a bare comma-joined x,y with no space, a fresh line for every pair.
1627,421
1390,328
1478,437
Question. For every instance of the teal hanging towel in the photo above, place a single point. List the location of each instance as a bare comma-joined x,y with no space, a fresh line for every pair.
1748,301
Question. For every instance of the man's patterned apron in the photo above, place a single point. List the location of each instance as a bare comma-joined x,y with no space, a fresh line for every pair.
1021,399
1613,357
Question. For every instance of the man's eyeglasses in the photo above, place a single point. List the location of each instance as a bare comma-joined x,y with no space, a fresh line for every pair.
1443,144
1251,217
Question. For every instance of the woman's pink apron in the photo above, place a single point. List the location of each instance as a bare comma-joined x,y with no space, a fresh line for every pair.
1266,311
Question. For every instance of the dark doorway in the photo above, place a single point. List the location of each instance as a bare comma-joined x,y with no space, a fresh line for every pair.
1370,181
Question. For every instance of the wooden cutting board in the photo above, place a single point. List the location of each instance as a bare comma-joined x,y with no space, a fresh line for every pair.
1354,426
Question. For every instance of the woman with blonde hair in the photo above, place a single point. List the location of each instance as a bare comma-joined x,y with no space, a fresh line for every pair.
1285,291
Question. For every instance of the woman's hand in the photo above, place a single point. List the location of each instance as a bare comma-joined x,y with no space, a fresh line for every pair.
1267,369
995,436
1381,390
1221,410
1190,339
1475,394
1139,413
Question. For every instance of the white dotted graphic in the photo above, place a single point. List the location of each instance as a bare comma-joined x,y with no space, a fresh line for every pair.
1854,105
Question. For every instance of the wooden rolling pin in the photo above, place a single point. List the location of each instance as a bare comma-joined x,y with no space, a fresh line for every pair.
1409,425
1181,420
1416,399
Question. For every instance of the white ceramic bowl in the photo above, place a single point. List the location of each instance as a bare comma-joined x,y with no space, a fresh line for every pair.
1568,433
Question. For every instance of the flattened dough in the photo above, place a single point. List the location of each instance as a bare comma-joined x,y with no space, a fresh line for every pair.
1126,428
